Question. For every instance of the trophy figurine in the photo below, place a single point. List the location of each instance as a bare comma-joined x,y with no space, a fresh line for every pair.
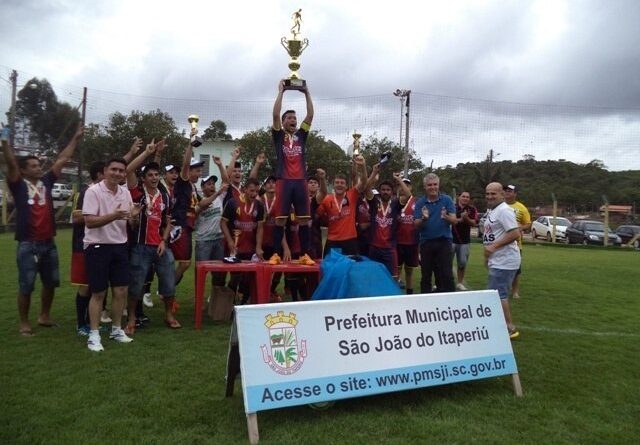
195,139
294,47
356,143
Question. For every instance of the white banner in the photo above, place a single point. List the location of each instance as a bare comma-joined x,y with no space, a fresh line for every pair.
309,352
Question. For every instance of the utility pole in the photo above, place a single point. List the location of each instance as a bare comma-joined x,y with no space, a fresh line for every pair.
404,96
12,124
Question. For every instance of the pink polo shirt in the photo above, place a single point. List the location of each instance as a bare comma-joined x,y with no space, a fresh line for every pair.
99,201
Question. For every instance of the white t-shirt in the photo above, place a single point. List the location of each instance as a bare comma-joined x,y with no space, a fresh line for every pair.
499,221
208,221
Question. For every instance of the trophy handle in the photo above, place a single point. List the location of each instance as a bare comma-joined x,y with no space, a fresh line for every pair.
304,45
283,41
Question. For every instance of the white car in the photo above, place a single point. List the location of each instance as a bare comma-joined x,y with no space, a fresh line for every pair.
543,227
61,191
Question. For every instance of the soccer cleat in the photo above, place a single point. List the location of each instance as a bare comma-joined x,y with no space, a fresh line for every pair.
84,331
275,259
104,317
146,300
306,260
94,344
119,335
461,287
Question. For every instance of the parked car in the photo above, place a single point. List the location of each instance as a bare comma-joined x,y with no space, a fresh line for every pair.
590,232
61,191
543,227
626,234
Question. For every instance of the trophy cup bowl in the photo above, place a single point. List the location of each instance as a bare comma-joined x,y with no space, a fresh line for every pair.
193,119
294,47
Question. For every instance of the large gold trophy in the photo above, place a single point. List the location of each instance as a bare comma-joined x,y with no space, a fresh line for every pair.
195,139
294,47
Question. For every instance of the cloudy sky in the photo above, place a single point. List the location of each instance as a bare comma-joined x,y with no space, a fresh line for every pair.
551,78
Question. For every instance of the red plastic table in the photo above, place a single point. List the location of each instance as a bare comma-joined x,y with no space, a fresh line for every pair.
264,285
204,267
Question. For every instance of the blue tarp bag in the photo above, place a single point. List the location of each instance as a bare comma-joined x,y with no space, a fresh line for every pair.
344,277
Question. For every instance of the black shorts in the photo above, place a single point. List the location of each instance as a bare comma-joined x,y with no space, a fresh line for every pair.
408,255
107,265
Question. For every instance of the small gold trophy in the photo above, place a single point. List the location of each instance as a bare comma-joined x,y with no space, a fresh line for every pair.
195,139
294,47
356,143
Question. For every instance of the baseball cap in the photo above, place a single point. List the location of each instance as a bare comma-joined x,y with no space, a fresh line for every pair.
170,167
195,163
375,191
213,178
406,181
510,187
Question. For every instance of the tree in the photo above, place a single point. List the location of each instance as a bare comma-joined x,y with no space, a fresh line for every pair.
44,120
217,131
101,143
374,148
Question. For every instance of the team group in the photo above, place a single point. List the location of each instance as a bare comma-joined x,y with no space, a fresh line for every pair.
139,218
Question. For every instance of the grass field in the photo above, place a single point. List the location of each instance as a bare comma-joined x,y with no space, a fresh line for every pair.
578,358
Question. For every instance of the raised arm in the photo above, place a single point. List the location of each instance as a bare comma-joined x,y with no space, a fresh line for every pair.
372,179
403,187
67,153
133,166
309,117
277,107
224,177
186,159
361,169
13,172
256,165
133,150
322,180
235,154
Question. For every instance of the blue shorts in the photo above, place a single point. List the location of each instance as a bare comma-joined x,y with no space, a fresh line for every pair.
500,280
292,192
143,257
107,265
35,257
461,252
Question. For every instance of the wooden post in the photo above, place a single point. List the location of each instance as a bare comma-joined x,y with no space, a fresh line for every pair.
517,388
252,428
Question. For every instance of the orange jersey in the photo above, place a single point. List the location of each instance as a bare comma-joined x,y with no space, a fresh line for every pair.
340,215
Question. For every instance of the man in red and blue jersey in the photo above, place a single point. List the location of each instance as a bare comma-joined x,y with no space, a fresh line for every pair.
149,239
35,232
289,142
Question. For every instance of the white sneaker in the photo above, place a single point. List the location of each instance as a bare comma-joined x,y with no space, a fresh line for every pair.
146,300
119,336
94,344
461,287
104,317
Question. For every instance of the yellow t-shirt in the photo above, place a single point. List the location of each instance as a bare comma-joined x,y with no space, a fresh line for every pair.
522,217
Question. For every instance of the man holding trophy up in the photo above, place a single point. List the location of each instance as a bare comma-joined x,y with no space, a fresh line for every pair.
289,142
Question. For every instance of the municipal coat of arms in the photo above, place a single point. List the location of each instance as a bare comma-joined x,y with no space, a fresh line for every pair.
283,354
